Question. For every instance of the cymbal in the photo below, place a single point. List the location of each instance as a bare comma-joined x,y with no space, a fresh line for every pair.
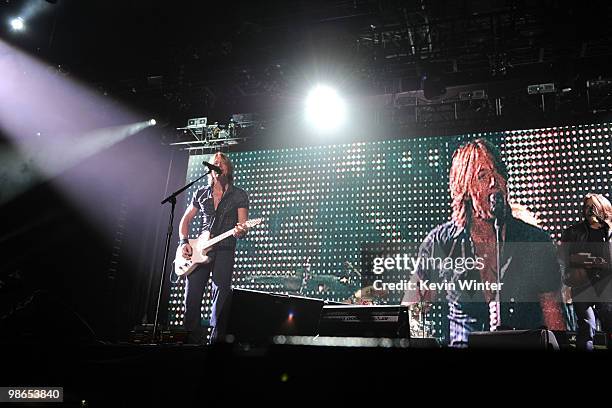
370,291
291,283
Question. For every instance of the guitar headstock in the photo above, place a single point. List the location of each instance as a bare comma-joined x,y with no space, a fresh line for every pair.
253,222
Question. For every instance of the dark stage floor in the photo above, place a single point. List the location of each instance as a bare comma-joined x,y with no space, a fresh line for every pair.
136,375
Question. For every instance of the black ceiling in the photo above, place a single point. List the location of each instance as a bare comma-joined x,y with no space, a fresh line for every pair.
185,58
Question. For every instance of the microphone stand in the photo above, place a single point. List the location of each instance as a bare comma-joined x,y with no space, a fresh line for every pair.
498,241
172,200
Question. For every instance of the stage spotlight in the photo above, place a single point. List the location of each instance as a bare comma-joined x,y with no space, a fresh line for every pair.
325,110
152,122
17,24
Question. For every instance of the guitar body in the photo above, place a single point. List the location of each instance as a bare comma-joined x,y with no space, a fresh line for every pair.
183,266
583,268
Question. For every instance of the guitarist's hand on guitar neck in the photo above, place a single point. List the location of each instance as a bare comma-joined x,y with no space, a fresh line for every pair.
240,230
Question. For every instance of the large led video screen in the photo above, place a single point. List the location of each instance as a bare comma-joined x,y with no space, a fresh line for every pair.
321,204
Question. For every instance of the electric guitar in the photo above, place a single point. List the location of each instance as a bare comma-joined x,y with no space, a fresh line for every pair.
583,266
201,246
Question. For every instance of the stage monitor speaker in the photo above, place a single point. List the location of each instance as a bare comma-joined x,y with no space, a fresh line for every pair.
514,340
567,339
389,321
255,317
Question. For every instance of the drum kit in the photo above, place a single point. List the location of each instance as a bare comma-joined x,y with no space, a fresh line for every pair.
303,282
368,296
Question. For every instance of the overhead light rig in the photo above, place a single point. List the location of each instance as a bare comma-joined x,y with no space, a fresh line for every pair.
216,136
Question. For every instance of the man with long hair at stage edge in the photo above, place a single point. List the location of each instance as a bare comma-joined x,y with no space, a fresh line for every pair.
585,253
529,277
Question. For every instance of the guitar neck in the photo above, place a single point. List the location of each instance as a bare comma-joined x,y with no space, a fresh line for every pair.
218,238
212,241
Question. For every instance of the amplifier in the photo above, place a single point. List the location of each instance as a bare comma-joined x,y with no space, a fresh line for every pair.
567,339
539,339
389,321
256,317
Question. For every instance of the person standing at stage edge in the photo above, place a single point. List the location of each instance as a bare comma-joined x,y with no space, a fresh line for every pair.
585,254
529,269
222,206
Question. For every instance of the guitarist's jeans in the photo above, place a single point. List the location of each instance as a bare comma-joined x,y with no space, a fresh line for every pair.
222,268
585,307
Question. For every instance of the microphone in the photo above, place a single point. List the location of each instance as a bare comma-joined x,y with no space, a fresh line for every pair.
212,167
497,205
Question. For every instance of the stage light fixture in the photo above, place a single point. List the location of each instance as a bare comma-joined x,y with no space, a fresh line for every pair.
17,24
152,122
325,110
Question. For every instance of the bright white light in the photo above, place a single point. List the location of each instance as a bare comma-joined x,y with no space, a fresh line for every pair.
325,110
152,122
17,24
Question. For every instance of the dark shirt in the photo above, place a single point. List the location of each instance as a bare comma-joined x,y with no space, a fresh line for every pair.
529,268
225,217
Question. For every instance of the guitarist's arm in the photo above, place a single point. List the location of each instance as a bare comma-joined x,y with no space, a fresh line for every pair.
190,212
240,230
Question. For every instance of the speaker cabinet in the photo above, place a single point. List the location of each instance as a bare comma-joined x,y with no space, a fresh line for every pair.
255,317
365,321
514,339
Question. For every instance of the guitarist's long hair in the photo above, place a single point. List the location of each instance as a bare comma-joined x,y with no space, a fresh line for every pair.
601,207
230,165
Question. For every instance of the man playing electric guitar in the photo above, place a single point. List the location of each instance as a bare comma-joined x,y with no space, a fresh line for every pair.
585,256
222,206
